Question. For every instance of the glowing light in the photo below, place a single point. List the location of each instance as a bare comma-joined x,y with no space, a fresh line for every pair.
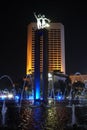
6,96
59,97
17,97
2,97
37,92
31,97
10,96
49,75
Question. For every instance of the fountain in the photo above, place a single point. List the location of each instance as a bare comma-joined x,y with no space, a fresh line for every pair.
21,97
73,115
5,95
77,102
8,77
13,87
73,124
83,97
3,111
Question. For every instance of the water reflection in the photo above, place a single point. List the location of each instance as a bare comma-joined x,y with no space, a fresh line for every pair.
43,118
26,120
58,117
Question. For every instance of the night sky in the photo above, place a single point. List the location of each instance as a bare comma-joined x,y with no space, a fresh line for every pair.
14,19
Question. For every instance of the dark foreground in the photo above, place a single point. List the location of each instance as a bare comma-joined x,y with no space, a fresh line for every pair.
56,117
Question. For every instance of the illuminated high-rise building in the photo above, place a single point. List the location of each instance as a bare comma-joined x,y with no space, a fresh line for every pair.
56,48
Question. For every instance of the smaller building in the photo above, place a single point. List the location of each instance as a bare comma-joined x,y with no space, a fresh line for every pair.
78,77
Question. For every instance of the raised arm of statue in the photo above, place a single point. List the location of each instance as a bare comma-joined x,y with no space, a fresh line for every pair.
35,15
38,18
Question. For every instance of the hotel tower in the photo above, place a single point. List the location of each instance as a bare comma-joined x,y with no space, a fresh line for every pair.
56,48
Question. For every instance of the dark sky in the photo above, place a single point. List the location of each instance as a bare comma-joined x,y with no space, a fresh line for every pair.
14,19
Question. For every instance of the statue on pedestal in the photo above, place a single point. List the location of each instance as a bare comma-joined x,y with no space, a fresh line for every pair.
42,21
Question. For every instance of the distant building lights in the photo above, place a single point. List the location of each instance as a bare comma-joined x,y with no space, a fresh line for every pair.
6,96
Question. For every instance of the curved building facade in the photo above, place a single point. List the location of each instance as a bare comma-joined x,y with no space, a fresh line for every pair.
56,48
